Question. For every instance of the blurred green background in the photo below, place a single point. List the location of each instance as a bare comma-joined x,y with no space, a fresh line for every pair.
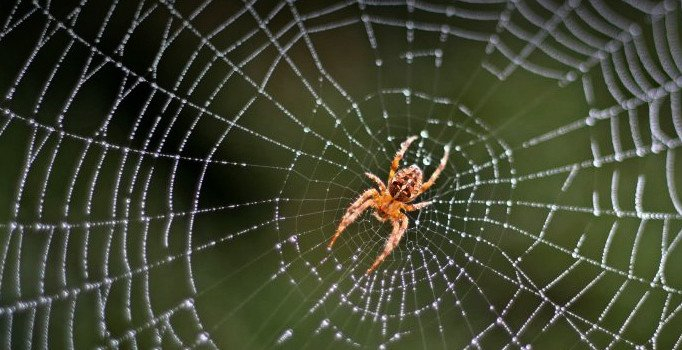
172,172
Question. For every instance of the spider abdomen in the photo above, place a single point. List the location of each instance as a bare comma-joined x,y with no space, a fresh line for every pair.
406,183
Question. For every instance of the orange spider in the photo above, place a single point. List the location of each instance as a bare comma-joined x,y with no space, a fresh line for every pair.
403,187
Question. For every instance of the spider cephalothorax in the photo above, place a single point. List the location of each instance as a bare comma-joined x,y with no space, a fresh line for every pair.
390,201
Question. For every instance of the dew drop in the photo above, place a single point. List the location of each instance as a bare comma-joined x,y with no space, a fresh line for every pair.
202,337
286,335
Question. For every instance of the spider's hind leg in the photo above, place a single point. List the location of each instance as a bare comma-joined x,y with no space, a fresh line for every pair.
399,228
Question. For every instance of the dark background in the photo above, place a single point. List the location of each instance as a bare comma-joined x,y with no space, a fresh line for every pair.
172,172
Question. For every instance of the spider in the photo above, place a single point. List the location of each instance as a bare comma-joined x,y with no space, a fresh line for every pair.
390,201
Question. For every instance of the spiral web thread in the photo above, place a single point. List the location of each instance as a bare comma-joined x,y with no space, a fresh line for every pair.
551,222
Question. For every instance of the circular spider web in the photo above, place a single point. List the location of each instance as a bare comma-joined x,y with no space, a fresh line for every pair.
173,172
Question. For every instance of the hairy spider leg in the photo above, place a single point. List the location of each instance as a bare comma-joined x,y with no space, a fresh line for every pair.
377,180
399,156
354,210
413,207
441,166
376,215
399,228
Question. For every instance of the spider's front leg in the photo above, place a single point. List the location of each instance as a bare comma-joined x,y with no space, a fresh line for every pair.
399,228
354,210
399,156
439,170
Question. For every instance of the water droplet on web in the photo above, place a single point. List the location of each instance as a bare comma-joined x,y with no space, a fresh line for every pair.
424,133
202,337
286,335
306,130
10,93
427,160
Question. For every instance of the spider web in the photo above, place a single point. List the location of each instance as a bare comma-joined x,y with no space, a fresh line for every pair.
173,171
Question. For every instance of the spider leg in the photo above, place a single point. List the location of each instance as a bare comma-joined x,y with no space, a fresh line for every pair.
413,207
399,156
377,180
376,215
399,228
354,210
440,168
